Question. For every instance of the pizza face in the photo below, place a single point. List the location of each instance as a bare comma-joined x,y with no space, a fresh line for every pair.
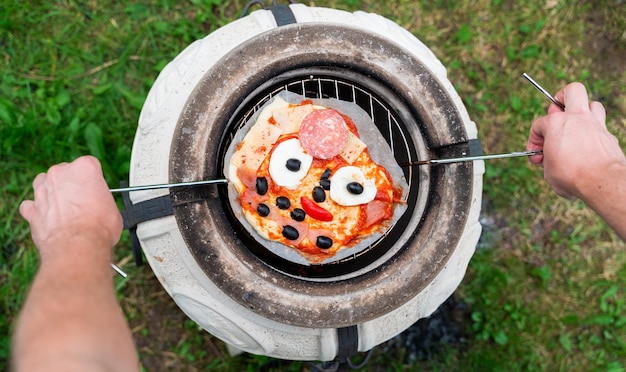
306,180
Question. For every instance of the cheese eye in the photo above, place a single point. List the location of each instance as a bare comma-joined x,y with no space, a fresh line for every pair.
349,187
289,164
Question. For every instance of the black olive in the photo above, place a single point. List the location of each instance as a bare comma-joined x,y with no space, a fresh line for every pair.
261,185
324,242
325,183
298,214
293,164
263,210
319,195
326,174
283,202
355,188
290,232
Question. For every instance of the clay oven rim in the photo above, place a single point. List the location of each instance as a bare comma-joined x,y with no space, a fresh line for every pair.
429,238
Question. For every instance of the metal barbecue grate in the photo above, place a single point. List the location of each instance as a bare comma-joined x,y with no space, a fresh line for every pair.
383,107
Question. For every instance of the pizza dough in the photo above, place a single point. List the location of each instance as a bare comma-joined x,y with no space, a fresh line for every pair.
306,148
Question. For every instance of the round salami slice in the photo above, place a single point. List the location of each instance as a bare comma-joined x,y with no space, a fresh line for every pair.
323,133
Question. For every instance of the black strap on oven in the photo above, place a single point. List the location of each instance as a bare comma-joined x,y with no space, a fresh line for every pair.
147,210
283,15
460,149
152,209
347,347
348,342
475,147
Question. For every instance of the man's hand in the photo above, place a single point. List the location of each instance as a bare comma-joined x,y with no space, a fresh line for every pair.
577,147
71,320
72,200
580,157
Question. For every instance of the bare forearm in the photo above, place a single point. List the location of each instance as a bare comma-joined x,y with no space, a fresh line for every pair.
71,319
606,194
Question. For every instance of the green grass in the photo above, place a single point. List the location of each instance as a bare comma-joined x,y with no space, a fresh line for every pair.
547,288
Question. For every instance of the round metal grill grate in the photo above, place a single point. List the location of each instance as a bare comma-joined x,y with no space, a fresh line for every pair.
387,112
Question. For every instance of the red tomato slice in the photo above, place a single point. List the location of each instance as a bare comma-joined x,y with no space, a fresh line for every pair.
315,211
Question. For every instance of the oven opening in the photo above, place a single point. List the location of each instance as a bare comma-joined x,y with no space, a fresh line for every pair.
387,111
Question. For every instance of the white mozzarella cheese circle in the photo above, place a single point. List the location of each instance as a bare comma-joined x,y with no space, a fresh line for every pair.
282,176
339,192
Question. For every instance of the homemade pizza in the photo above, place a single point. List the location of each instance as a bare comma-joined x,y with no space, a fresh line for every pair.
305,179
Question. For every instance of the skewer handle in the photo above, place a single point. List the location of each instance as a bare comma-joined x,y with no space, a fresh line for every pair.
543,91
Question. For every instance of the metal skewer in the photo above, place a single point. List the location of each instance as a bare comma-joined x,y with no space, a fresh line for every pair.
118,270
421,162
167,185
480,157
543,91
